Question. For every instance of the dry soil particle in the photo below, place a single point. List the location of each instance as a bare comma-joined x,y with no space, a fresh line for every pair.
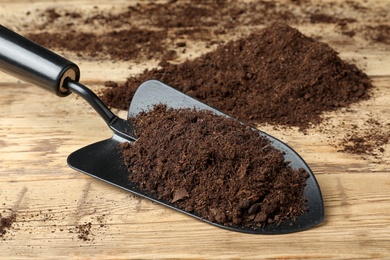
214,167
276,75
83,231
6,223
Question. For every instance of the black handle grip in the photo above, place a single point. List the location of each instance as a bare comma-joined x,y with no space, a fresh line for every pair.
33,63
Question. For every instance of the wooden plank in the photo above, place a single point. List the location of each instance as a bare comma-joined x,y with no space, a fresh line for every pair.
38,131
48,210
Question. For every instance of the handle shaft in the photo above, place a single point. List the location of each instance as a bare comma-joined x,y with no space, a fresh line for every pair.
95,102
32,63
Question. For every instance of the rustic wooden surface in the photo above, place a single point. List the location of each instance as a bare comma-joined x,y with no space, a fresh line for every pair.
38,131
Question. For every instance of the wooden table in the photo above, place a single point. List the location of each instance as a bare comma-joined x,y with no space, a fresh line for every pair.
39,130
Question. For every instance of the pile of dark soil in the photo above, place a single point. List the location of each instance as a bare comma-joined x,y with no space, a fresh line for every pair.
214,167
164,30
276,75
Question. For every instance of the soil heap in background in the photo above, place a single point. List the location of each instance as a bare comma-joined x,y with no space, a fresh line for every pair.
214,167
276,75
150,30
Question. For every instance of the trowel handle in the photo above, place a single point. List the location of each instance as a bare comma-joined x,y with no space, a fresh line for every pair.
31,62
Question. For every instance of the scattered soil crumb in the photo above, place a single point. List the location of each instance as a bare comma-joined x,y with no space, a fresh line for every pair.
83,231
367,140
6,223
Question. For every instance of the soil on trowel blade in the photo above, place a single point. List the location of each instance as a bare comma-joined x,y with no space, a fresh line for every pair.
214,167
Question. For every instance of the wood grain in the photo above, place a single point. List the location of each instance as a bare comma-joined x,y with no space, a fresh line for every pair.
38,131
